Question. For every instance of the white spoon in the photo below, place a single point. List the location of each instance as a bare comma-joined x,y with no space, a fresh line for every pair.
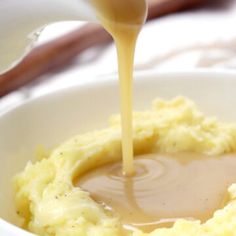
22,20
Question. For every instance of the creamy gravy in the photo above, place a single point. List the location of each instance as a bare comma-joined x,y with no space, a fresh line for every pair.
124,20
165,188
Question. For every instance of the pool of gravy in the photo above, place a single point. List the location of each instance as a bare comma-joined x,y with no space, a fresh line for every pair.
164,188
124,20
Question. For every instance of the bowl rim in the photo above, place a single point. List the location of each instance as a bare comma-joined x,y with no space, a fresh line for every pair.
110,78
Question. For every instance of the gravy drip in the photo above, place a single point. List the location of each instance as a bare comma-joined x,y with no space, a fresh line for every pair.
124,20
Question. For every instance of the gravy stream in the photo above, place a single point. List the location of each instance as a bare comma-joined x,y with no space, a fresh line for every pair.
165,188
124,20
154,190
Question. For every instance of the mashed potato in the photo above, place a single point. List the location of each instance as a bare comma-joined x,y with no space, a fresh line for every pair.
50,205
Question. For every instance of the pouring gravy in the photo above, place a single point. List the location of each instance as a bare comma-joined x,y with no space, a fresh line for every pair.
124,20
154,190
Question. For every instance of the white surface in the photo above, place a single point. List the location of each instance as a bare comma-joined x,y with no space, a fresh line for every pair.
51,119
190,40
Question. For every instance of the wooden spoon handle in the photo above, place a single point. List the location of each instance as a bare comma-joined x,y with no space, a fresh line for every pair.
158,8
59,52
51,56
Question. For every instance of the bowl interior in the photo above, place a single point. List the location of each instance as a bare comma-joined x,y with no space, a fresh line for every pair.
49,120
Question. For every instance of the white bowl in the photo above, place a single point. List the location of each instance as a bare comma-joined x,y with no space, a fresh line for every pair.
53,118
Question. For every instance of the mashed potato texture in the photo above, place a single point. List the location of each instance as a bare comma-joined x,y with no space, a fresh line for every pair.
50,205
